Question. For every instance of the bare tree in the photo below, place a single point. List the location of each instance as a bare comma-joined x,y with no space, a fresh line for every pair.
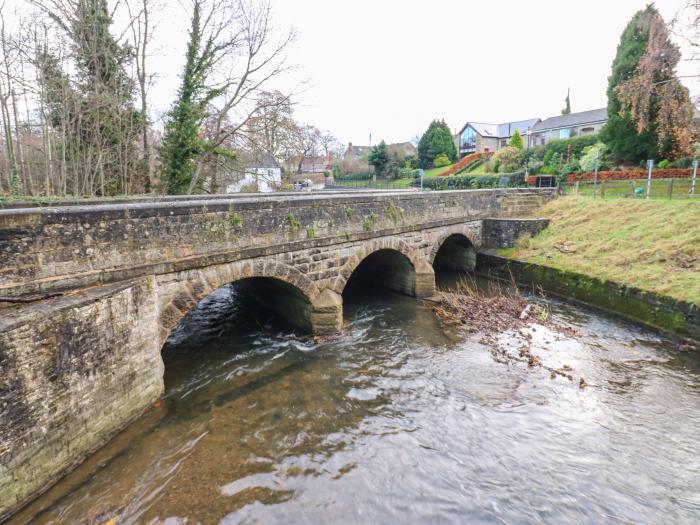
245,58
304,144
142,32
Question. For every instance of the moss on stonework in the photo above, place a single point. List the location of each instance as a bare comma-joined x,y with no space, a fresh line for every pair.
310,233
348,212
369,222
294,224
235,220
394,212
651,309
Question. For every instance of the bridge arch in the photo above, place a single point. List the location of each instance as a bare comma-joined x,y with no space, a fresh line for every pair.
278,286
455,250
390,263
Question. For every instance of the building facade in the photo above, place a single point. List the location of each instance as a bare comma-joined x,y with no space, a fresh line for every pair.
567,126
480,137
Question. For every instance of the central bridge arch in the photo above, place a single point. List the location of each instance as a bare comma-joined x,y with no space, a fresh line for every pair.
391,263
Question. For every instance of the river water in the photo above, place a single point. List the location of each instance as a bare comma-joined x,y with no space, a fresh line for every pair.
396,421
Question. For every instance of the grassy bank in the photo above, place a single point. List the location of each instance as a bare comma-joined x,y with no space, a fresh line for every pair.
652,245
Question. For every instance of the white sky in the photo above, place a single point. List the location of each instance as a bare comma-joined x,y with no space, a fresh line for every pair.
388,67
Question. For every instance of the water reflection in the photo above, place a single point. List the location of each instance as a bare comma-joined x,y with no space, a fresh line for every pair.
396,421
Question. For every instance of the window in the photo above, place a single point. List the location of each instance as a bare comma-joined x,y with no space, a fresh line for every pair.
564,133
503,143
586,131
468,139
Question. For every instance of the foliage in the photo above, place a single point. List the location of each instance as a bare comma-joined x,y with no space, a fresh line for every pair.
620,133
366,175
592,157
664,164
467,182
379,158
95,113
563,147
683,162
181,141
567,108
654,97
435,141
441,160
508,160
516,141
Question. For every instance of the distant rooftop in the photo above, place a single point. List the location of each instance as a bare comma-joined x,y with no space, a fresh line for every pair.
573,119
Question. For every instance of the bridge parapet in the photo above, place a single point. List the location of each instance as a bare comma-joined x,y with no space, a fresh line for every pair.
49,249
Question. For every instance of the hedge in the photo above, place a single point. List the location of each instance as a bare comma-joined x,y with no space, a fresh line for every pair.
354,176
470,182
670,173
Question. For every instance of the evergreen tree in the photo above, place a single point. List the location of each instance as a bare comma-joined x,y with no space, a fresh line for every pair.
435,141
379,158
567,108
96,112
182,142
516,140
620,133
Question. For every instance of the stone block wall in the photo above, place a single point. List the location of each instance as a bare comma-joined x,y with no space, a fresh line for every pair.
50,249
73,372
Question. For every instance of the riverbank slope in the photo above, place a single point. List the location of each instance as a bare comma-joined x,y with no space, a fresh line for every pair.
650,245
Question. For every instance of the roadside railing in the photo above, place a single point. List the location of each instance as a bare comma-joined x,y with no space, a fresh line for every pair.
381,184
637,189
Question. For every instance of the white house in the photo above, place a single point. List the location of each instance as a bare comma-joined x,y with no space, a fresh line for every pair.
265,175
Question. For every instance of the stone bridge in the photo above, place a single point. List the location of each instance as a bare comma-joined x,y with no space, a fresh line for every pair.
91,292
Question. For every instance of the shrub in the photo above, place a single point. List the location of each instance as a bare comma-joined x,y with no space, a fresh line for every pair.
561,147
509,159
683,162
535,166
249,188
593,155
516,140
355,176
470,182
441,160
664,164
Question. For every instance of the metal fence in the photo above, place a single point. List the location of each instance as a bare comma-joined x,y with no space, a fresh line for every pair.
637,189
381,184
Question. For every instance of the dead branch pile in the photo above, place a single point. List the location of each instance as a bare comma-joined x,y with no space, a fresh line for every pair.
498,309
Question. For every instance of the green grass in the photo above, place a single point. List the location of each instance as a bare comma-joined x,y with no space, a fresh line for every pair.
625,189
434,172
480,169
649,244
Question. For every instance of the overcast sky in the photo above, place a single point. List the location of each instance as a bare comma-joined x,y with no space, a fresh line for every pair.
388,67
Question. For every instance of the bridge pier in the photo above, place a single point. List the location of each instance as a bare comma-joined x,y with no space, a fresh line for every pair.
424,280
326,314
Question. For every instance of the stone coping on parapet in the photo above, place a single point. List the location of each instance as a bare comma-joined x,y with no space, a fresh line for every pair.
70,202
220,203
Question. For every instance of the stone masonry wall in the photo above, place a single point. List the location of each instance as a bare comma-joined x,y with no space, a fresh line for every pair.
50,249
73,372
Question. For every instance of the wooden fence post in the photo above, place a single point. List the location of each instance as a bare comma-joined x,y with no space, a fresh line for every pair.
602,189
670,188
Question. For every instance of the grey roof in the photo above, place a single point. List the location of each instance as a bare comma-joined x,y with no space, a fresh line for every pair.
504,130
573,119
